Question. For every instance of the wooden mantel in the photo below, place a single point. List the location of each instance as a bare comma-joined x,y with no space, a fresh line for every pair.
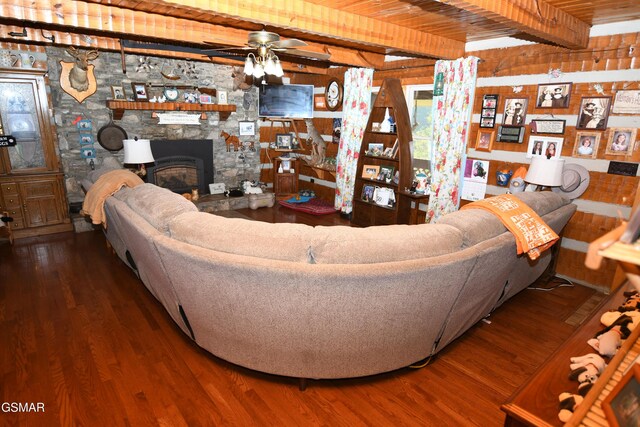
119,107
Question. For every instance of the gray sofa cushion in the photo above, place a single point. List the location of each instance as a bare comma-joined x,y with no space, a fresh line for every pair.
287,242
158,206
478,225
349,245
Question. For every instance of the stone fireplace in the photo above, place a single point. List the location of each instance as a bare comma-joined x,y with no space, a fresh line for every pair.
181,165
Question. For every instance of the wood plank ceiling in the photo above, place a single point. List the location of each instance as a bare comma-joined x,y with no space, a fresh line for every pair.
354,33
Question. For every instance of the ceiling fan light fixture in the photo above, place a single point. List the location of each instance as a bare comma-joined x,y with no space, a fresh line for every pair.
258,70
248,65
279,72
269,66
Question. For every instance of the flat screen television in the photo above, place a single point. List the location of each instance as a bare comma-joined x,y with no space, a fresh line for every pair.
286,101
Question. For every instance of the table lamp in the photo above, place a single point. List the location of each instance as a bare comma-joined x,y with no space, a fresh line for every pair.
545,172
138,152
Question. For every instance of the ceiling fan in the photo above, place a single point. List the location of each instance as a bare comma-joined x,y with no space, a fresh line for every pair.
265,46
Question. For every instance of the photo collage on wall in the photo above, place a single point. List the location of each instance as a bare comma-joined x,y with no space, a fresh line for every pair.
85,138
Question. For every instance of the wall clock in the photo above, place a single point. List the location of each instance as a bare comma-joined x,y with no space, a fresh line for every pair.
333,94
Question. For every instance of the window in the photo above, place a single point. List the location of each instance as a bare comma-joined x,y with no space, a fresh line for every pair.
419,102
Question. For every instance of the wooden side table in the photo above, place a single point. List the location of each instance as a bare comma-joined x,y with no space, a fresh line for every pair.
285,183
406,213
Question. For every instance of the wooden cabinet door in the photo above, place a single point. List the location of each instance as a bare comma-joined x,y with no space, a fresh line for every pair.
40,202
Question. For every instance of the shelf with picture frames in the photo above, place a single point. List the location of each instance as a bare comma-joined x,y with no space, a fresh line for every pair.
119,107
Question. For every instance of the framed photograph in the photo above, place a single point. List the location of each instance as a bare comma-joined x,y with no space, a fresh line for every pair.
386,173
553,95
367,192
388,152
621,141
86,139
370,171
205,99
586,144
333,94
627,102
488,113
484,140
283,141
246,128
171,93
554,126
622,405
118,92
594,112
222,97
544,146
139,91
375,149
515,111
513,134
84,125
88,152
337,130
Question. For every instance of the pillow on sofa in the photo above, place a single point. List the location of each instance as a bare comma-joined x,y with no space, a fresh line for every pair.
288,242
157,205
385,243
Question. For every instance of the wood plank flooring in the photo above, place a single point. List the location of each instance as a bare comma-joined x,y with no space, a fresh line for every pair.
80,333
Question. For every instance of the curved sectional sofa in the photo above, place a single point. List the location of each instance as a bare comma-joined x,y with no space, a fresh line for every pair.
322,302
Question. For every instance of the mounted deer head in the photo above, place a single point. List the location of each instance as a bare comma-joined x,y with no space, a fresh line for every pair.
78,74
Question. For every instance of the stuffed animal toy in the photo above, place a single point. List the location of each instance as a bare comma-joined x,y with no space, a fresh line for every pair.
585,367
607,341
632,303
585,386
568,404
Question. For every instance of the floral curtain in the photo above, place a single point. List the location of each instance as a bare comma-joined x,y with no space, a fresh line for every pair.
355,113
451,118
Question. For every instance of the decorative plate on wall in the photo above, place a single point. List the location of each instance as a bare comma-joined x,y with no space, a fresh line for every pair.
333,94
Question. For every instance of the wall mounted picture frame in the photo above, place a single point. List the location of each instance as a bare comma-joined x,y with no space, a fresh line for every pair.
370,171
88,152
246,128
223,97
553,95
594,112
484,140
283,141
84,125
627,102
85,139
621,141
139,91
118,93
586,144
515,111
550,126
513,134
544,146
622,406
488,112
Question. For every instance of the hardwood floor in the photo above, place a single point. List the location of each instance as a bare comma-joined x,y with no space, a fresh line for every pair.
80,333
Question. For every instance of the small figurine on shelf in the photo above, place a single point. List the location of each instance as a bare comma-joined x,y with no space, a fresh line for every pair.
385,126
422,179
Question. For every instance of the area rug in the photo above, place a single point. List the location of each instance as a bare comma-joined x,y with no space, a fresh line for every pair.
313,206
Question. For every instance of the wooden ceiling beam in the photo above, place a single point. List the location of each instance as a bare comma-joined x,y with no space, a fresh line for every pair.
85,18
326,23
533,17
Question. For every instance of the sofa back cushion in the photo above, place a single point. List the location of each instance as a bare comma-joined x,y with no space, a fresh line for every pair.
157,205
287,242
478,225
385,243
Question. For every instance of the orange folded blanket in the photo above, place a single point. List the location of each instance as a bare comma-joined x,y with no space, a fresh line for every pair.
533,235
104,187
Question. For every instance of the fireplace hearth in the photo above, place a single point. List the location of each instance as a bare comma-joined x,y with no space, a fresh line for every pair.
181,165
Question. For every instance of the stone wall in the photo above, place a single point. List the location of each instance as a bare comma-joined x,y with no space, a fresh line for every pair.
230,167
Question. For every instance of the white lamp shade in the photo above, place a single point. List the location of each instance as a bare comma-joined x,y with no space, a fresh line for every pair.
137,151
258,70
545,172
279,71
248,66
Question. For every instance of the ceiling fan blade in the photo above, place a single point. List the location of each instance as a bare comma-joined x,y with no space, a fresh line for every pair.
308,54
288,43
228,49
